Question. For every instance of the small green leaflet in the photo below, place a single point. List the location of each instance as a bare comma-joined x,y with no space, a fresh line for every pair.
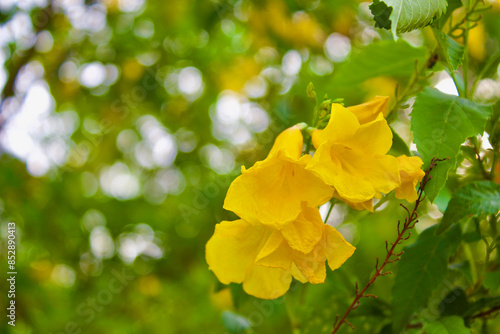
440,124
454,303
405,15
447,325
422,269
384,58
473,199
452,52
399,146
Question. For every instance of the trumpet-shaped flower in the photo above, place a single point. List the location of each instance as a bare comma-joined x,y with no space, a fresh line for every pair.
411,173
265,259
271,192
352,157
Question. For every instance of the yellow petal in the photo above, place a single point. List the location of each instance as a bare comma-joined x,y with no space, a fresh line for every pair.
342,124
368,111
305,232
233,249
290,142
267,283
373,138
323,165
314,271
363,176
366,205
271,192
411,172
316,137
275,253
297,274
352,188
338,250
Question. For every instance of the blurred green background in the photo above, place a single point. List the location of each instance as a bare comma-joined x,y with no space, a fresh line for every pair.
123,123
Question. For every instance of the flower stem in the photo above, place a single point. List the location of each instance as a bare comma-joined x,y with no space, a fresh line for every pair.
291,315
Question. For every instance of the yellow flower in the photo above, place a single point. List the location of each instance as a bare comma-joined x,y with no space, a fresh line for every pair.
370,110
351,157
264,259
411,174
271,192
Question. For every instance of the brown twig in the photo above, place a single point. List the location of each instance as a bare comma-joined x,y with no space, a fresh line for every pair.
391,256
487,313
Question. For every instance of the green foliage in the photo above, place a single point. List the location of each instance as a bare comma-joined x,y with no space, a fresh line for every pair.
452,52
483,304
401,16
384,58
454,303
492,281
472,200
234,323
399,146
447,325
422,268
440,124
452,5
254,60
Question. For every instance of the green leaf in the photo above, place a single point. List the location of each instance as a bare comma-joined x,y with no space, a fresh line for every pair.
492,281
401,16
473,199
387,58
452,5
235,323
455,53
440,124
472,237
422,268
399,146
454,303
447,325
452,52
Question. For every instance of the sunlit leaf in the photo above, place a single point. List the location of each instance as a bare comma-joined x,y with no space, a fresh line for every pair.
440,124
472,199
387,58
447,325
401,16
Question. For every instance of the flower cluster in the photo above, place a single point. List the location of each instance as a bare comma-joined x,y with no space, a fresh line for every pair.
281,234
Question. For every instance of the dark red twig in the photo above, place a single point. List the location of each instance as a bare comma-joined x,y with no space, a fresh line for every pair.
487,313
391,257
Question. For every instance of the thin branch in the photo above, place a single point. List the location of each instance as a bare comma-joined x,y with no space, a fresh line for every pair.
487,313
409,223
